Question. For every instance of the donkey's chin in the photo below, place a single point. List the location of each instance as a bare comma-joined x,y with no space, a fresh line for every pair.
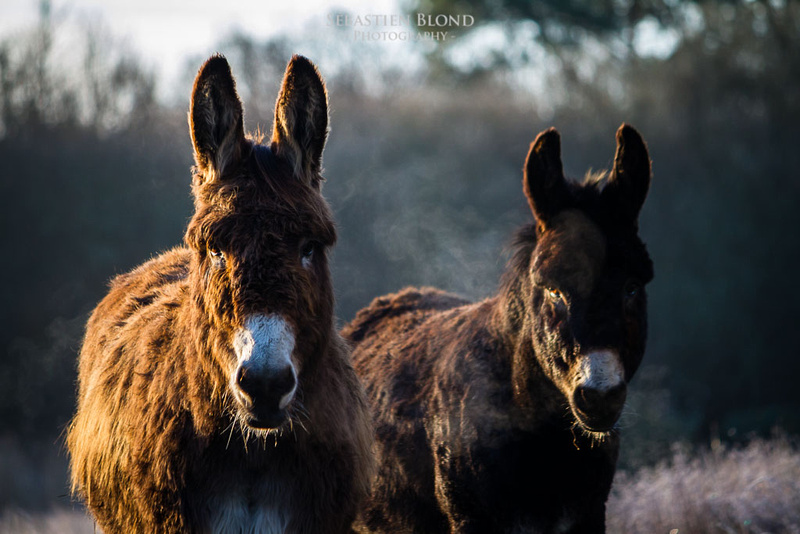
260,418
596,423
272,420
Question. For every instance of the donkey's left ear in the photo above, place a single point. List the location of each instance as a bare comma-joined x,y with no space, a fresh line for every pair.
630,179
543,183
301,120
216,119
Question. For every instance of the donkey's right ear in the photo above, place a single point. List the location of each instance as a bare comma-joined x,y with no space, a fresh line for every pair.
301,120
630,180
216,119
544,184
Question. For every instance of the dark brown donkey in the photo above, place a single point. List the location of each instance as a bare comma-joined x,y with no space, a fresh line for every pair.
500,416
215,394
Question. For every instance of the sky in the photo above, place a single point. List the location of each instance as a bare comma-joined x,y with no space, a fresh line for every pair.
166,32
163,34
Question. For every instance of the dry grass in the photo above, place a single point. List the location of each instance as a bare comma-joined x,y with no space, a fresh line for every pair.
57,521
749,490
755,489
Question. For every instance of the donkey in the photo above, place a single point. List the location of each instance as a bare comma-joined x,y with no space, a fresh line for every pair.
215,394
499,416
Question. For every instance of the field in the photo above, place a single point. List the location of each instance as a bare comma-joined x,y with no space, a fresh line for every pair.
748,490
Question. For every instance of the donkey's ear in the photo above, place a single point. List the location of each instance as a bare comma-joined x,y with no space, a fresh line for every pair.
630,179
216,118
301,119
544,184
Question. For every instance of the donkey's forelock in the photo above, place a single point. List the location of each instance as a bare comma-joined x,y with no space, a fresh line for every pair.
262,179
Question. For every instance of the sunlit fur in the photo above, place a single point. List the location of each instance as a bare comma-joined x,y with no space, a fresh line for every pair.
481,425
159,442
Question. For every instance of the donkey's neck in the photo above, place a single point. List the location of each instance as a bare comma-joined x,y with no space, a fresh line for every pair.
510,315
536,399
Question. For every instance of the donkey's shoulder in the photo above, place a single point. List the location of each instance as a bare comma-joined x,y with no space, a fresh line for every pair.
411,300
162,270
159,280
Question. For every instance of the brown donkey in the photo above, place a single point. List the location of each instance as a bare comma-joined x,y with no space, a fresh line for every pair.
500,416
214,393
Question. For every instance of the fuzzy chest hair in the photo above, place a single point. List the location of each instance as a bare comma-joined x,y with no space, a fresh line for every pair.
247,509
237,516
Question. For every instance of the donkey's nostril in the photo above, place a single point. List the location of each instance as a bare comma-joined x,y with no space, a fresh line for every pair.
267,388
284,381
246,380
615,397
593,400
285,387
586,398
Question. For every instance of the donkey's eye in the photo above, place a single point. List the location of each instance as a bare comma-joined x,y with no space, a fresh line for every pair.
217,256
308,249
632,289
555,295
307,252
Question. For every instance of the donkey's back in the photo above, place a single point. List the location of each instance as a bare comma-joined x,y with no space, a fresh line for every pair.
391,314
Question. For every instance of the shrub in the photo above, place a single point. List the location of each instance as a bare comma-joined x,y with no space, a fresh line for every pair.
752,489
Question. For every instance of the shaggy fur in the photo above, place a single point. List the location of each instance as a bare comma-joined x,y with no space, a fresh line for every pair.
482,421
159,442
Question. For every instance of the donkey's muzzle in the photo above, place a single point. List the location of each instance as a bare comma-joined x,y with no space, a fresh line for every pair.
265,378
599,390
267,395
597,410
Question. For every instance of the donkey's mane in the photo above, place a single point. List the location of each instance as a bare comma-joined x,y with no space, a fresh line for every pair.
584,195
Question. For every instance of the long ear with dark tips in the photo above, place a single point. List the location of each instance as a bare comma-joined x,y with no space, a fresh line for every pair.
630,179
544,184
301,119
216,118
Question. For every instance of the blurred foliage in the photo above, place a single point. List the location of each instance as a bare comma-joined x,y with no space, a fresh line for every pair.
94,179
564,23
561,22
102,86
425,181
